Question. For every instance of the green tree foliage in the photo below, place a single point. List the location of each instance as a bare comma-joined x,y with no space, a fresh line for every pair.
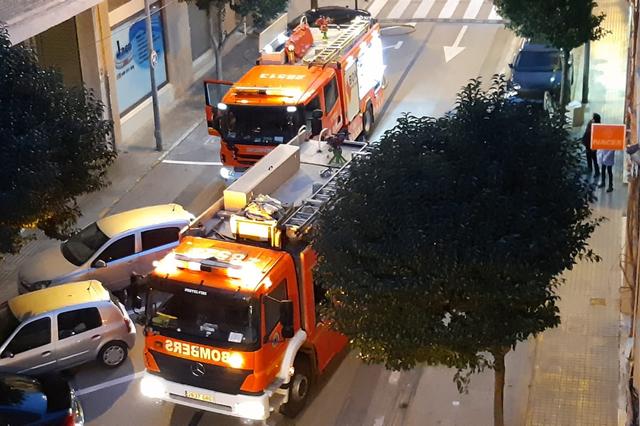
448,242
53,147
565,24
260,10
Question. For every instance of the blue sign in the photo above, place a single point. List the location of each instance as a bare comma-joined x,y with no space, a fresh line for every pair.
130,48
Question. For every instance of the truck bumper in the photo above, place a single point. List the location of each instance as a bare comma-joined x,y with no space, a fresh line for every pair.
254,407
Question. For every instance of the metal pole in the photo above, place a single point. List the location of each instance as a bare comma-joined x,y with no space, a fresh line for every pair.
153,59
585,73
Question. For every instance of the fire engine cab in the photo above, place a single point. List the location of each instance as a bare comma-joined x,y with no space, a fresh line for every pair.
232,320
334,83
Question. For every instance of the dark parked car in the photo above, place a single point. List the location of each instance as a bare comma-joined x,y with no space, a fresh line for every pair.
536,69
47,400
339,15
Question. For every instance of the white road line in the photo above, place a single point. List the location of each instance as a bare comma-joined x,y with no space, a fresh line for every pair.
110,383
399,9
194,163
448,9
473,9
376,7
493,15
423,9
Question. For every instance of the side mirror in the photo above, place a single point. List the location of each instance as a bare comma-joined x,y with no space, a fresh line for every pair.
7,354
286,318
99,264
316,122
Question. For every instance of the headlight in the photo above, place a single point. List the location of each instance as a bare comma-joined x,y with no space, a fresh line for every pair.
552,79
152,387
40,285
226,173
251,410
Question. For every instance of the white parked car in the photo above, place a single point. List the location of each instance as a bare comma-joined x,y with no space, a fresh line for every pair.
109,250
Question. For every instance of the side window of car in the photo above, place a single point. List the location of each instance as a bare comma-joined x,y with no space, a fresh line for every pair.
117,250
330,95
159,237
78,321
272,306
33,335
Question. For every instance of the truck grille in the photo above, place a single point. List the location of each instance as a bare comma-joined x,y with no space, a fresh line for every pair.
215,378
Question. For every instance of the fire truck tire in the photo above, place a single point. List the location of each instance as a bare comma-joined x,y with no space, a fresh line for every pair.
298,388
367,122
113,354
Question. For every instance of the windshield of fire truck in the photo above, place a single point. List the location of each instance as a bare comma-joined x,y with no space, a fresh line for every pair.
207,317
250,124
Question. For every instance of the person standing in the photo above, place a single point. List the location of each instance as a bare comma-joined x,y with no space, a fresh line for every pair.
592,162
606,159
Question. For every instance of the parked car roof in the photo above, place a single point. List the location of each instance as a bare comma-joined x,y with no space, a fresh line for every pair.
142,217
50,299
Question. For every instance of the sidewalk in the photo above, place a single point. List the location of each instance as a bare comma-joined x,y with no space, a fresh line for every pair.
137,156
569,375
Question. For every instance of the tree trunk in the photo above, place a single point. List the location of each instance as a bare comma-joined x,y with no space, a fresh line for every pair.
564,83
498,394
216,33
585,73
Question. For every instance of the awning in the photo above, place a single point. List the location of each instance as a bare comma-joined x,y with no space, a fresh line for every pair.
27,18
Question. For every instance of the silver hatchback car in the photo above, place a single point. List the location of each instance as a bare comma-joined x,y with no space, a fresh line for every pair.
109,250
63,326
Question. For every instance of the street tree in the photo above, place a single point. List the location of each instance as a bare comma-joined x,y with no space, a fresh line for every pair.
260,10
54,147
447,243
564,24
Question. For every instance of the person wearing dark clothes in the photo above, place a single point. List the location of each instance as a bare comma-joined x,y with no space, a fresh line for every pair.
592,162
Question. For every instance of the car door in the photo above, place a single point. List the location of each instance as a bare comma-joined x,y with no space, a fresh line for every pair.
78,336
30,349
119,257
154,244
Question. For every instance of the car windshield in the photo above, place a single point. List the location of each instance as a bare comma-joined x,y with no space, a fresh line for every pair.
8,322
260,125
538,61
80,247
216,318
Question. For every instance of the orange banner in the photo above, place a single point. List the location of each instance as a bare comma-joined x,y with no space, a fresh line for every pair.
607,136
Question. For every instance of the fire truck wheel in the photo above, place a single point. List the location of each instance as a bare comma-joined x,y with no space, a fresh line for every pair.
298,388
367,122
113,354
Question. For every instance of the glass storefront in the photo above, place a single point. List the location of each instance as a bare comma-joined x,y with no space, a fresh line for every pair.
131,57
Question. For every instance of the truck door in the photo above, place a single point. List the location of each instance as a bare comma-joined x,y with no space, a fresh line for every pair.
214,91
332,119
273,344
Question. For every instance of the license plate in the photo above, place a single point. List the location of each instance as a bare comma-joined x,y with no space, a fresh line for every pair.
199,396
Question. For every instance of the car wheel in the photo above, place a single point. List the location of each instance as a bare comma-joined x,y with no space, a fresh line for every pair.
299,387
113,354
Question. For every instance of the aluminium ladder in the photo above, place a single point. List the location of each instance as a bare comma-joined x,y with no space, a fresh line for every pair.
299,221
338,45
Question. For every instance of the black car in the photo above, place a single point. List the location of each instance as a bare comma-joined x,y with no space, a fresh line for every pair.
536,69
339,15
46,400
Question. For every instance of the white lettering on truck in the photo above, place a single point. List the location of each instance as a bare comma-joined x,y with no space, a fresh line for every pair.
196,351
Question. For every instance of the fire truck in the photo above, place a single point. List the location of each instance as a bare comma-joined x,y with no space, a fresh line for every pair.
232,324
334,83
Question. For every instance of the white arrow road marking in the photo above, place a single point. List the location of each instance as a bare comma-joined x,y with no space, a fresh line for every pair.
396,46
451,52
194,163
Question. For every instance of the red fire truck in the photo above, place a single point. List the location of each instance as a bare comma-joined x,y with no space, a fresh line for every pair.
334,83
232,320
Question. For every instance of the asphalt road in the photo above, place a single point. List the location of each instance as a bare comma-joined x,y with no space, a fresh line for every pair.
421,82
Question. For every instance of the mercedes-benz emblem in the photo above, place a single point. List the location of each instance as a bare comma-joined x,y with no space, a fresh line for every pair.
197,369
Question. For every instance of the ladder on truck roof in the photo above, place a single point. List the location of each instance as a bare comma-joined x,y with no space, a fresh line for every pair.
339,45
299,221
